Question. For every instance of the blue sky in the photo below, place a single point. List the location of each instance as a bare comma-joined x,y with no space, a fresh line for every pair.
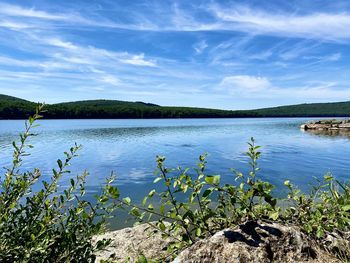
219,54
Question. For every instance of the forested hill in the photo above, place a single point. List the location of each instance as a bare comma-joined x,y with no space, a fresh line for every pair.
332,109
15,108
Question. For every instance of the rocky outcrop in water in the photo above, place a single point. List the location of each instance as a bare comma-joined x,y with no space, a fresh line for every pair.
325,125
249,242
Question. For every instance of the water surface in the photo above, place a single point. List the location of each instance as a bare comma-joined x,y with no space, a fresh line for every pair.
129,148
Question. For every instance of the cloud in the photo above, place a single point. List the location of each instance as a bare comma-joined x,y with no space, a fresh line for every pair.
317,25
139,60
234,18
200,46
244,84
35,18
60,43
330,57
109,79
91,55
298,49
14,25
18,11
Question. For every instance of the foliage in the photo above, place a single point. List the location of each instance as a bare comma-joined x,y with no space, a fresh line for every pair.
325,209
195,206
44,226
14,108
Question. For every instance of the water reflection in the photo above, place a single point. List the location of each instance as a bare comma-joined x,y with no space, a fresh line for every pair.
129,148
330,133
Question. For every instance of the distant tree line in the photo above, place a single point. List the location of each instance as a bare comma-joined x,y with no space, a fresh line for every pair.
15,108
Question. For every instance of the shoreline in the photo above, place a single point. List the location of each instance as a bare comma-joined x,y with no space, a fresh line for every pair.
252,241
327,125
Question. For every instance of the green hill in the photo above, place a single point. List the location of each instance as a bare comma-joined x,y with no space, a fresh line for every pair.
334,109
15,108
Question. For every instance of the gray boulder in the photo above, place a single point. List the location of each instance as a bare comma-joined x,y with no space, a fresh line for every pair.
256,242
129,243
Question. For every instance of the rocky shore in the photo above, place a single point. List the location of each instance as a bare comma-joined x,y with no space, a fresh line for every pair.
327,125
249,242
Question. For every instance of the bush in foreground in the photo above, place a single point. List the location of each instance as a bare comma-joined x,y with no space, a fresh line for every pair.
195,206
44,226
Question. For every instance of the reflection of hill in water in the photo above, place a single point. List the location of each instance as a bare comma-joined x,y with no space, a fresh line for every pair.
330,133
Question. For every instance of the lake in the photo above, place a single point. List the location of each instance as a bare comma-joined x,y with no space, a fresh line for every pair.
129,148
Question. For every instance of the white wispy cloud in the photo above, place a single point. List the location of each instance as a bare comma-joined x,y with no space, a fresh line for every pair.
246,86
18,11
236,18
139,60
200,46
36,18
109,79
293,51
14,25
60,43
327,26
331,57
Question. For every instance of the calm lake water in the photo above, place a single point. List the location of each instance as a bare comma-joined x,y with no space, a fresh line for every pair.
129,148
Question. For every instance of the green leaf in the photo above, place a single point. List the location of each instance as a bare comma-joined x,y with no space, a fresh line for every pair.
328,177
162,226
144,200
59,162
127,200
162,208
114,192
142,259
157,179
274,215
207,192
134,211
346,207
212,179
151,193
198,232
320,232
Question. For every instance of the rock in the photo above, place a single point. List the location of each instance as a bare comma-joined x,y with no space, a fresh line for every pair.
344,125
130,243
325,125
338,243
256,242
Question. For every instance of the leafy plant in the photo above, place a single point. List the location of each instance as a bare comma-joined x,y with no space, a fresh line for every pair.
325,209
44,225
194,206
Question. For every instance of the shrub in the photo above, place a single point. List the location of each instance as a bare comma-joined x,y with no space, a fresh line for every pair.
45,226
195,206
326,208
